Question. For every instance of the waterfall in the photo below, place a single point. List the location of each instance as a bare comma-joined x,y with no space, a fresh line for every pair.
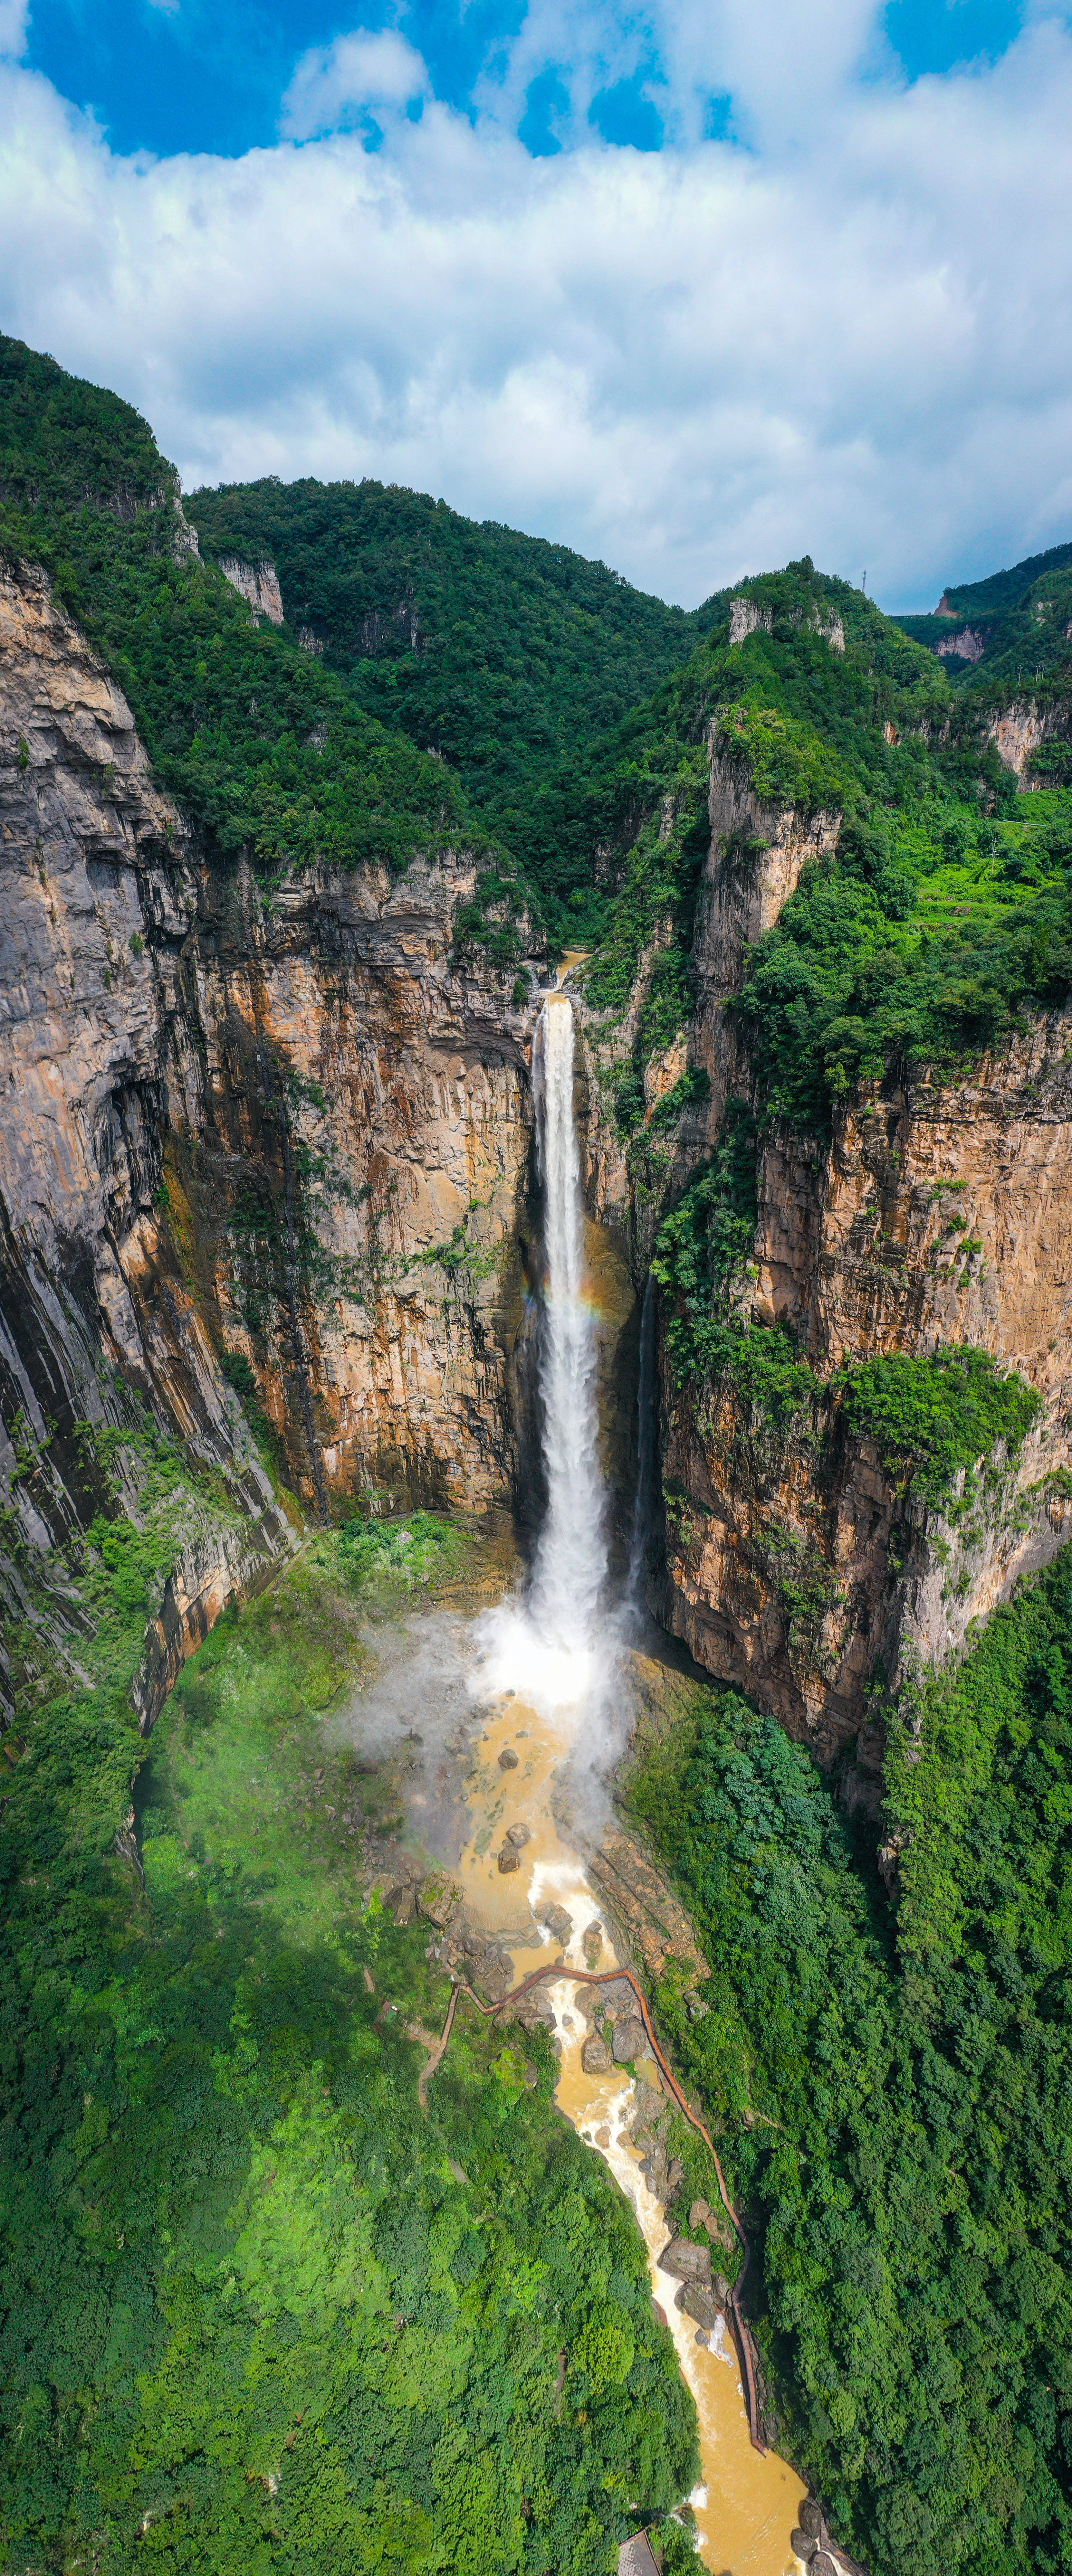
644,1505
571,1558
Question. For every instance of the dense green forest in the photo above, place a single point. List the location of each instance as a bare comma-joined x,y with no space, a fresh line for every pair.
509,656
940,914
265,749
259,2309
892,2081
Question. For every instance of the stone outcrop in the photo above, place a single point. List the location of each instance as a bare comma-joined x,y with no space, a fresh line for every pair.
756,854
1020,730
258,585
296,1134
966,646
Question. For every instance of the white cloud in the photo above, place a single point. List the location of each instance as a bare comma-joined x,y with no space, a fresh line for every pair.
14,24
852,341
333,84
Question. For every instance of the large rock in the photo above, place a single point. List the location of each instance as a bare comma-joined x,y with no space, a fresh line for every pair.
686,2261
177,1052
630,2041
596,2058
698,2302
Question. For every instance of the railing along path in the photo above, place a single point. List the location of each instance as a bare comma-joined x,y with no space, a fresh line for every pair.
606,1977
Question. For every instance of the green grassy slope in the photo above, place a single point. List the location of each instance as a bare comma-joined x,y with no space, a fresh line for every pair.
892,2086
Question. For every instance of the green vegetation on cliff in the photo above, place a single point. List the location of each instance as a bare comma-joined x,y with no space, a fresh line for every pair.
258,2308
266,750
1015,631
508,656
891,2085
933,1417
941,910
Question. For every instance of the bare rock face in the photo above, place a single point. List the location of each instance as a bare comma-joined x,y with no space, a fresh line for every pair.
796,1566
756,855
1020,730
258,584
296,1134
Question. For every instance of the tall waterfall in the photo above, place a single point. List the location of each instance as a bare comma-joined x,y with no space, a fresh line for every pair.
571,1559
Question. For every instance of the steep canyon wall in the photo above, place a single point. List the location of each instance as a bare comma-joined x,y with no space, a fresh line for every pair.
291,1131
797,1565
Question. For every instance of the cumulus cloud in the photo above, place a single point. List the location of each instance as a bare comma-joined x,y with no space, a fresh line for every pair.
851,340
14,20
334,85
785,63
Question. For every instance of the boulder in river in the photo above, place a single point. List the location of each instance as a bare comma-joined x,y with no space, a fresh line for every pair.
559,1923
823,2565
507,1758
686,2261
698,2302
810,2518
630,2041
616,1997
802,2545
508,1859
518,1835
596,2056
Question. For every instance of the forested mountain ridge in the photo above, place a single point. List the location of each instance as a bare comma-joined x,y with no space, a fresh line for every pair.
506,654
1011,636
829,1025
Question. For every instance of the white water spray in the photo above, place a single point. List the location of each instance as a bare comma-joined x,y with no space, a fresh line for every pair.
558,1646
571,1559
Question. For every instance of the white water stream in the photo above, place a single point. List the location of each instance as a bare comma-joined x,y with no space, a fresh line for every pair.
551,1679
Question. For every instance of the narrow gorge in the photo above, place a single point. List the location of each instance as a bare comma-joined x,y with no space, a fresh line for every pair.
536,1377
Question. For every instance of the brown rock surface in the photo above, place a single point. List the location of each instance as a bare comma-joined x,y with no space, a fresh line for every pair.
298,1132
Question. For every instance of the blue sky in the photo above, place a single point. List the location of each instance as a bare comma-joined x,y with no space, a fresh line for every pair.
692,285
192,76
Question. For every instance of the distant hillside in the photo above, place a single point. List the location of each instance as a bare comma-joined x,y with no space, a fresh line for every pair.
505,654
1002,589
1012,628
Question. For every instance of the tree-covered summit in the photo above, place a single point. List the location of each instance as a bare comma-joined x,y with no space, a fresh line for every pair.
940,913
268,752
65,443
507,655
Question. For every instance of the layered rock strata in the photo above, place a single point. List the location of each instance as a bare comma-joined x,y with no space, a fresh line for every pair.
292,1135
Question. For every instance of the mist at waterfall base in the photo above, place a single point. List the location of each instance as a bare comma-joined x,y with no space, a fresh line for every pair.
559,1642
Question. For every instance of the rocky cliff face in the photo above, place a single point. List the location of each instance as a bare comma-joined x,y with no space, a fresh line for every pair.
795,1566
296,1134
